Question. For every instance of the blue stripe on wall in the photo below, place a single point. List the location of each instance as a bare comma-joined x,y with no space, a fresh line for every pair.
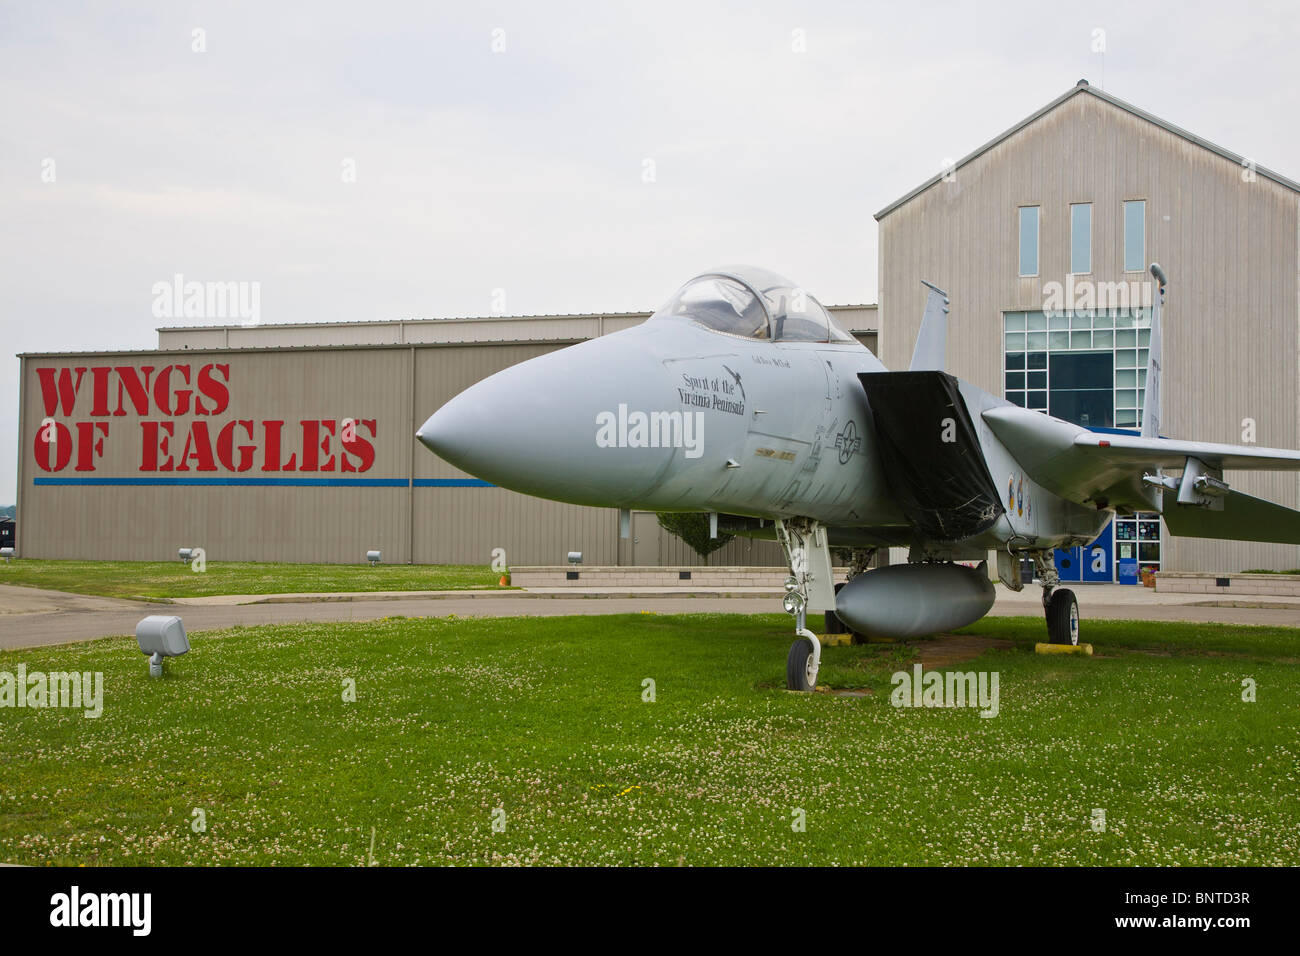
273,482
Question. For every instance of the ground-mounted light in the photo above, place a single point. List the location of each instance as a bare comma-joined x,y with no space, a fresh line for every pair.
185,554
374,557
575,557
7,554
161,636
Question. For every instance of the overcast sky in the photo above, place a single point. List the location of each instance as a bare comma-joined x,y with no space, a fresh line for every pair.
770,133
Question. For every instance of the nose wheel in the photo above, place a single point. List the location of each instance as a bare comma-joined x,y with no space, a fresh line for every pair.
802,663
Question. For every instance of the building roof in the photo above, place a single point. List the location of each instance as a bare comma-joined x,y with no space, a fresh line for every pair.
1084,87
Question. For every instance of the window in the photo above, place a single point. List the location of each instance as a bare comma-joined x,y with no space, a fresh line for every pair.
1082,389
1081,238
1135,233
721,304
1029,240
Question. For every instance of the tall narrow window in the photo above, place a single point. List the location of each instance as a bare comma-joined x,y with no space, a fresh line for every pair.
1135,235
1081,238
1029,240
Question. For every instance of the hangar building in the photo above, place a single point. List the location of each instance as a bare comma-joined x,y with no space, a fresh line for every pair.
1042,237
296,442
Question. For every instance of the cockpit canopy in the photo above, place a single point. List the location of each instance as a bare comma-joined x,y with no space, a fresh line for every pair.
754,304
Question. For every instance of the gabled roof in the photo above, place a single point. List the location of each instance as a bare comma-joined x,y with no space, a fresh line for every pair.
1083,87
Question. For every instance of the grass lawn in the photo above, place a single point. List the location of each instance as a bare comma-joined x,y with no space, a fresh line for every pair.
540,726
164,579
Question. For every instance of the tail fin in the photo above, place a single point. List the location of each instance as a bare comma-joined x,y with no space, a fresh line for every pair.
931,341
1151,405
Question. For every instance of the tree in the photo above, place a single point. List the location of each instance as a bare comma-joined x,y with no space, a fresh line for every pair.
693,528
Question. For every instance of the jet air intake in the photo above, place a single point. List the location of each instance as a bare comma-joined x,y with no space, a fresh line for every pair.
913,600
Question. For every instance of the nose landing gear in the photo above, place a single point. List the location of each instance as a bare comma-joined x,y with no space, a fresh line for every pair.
804,542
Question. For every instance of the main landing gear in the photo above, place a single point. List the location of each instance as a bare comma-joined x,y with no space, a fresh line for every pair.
1060,606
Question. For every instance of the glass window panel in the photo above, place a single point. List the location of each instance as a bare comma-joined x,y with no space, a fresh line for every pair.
1142,377
1081,319
1081,237
1080,340
1037,360
1142,357
1126,398
1090,370
1036,379
1016,398
1126,378
1125,418
1126,339
1058,340
1036,340
1142,318
1135,226
1015,341
1102,340
1015,360
1126,358
1037,321
1038,401
1015,321
1015,380
1144,337
1059,321
1124,320
1029,240
1104,320
1088,407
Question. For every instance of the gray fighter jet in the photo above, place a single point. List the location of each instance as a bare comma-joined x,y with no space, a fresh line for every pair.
742,399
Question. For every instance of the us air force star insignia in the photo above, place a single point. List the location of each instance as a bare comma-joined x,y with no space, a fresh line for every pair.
848,442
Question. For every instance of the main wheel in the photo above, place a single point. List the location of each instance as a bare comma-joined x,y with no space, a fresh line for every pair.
1063,617
800,671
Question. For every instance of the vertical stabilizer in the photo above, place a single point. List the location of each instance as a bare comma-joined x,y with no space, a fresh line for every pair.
931,342
1151,404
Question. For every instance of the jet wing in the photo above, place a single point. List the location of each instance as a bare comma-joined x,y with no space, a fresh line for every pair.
1137,452
1115,470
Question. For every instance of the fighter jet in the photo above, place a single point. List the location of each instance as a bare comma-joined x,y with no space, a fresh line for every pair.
742,399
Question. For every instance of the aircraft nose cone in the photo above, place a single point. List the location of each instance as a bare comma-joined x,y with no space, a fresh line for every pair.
450,432
533,427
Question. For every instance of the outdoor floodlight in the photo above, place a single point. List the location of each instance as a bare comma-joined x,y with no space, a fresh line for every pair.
374,557
575,557
7,554
161,636
185,554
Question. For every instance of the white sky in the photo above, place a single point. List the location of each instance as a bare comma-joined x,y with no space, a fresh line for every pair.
522,170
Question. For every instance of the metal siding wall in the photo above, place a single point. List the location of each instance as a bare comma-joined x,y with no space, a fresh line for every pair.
1230,248
332,524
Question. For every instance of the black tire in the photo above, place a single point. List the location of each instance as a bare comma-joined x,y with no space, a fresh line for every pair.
796,667
1063,617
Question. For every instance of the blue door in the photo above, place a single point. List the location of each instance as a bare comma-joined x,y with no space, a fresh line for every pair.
1098,557
1067,563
